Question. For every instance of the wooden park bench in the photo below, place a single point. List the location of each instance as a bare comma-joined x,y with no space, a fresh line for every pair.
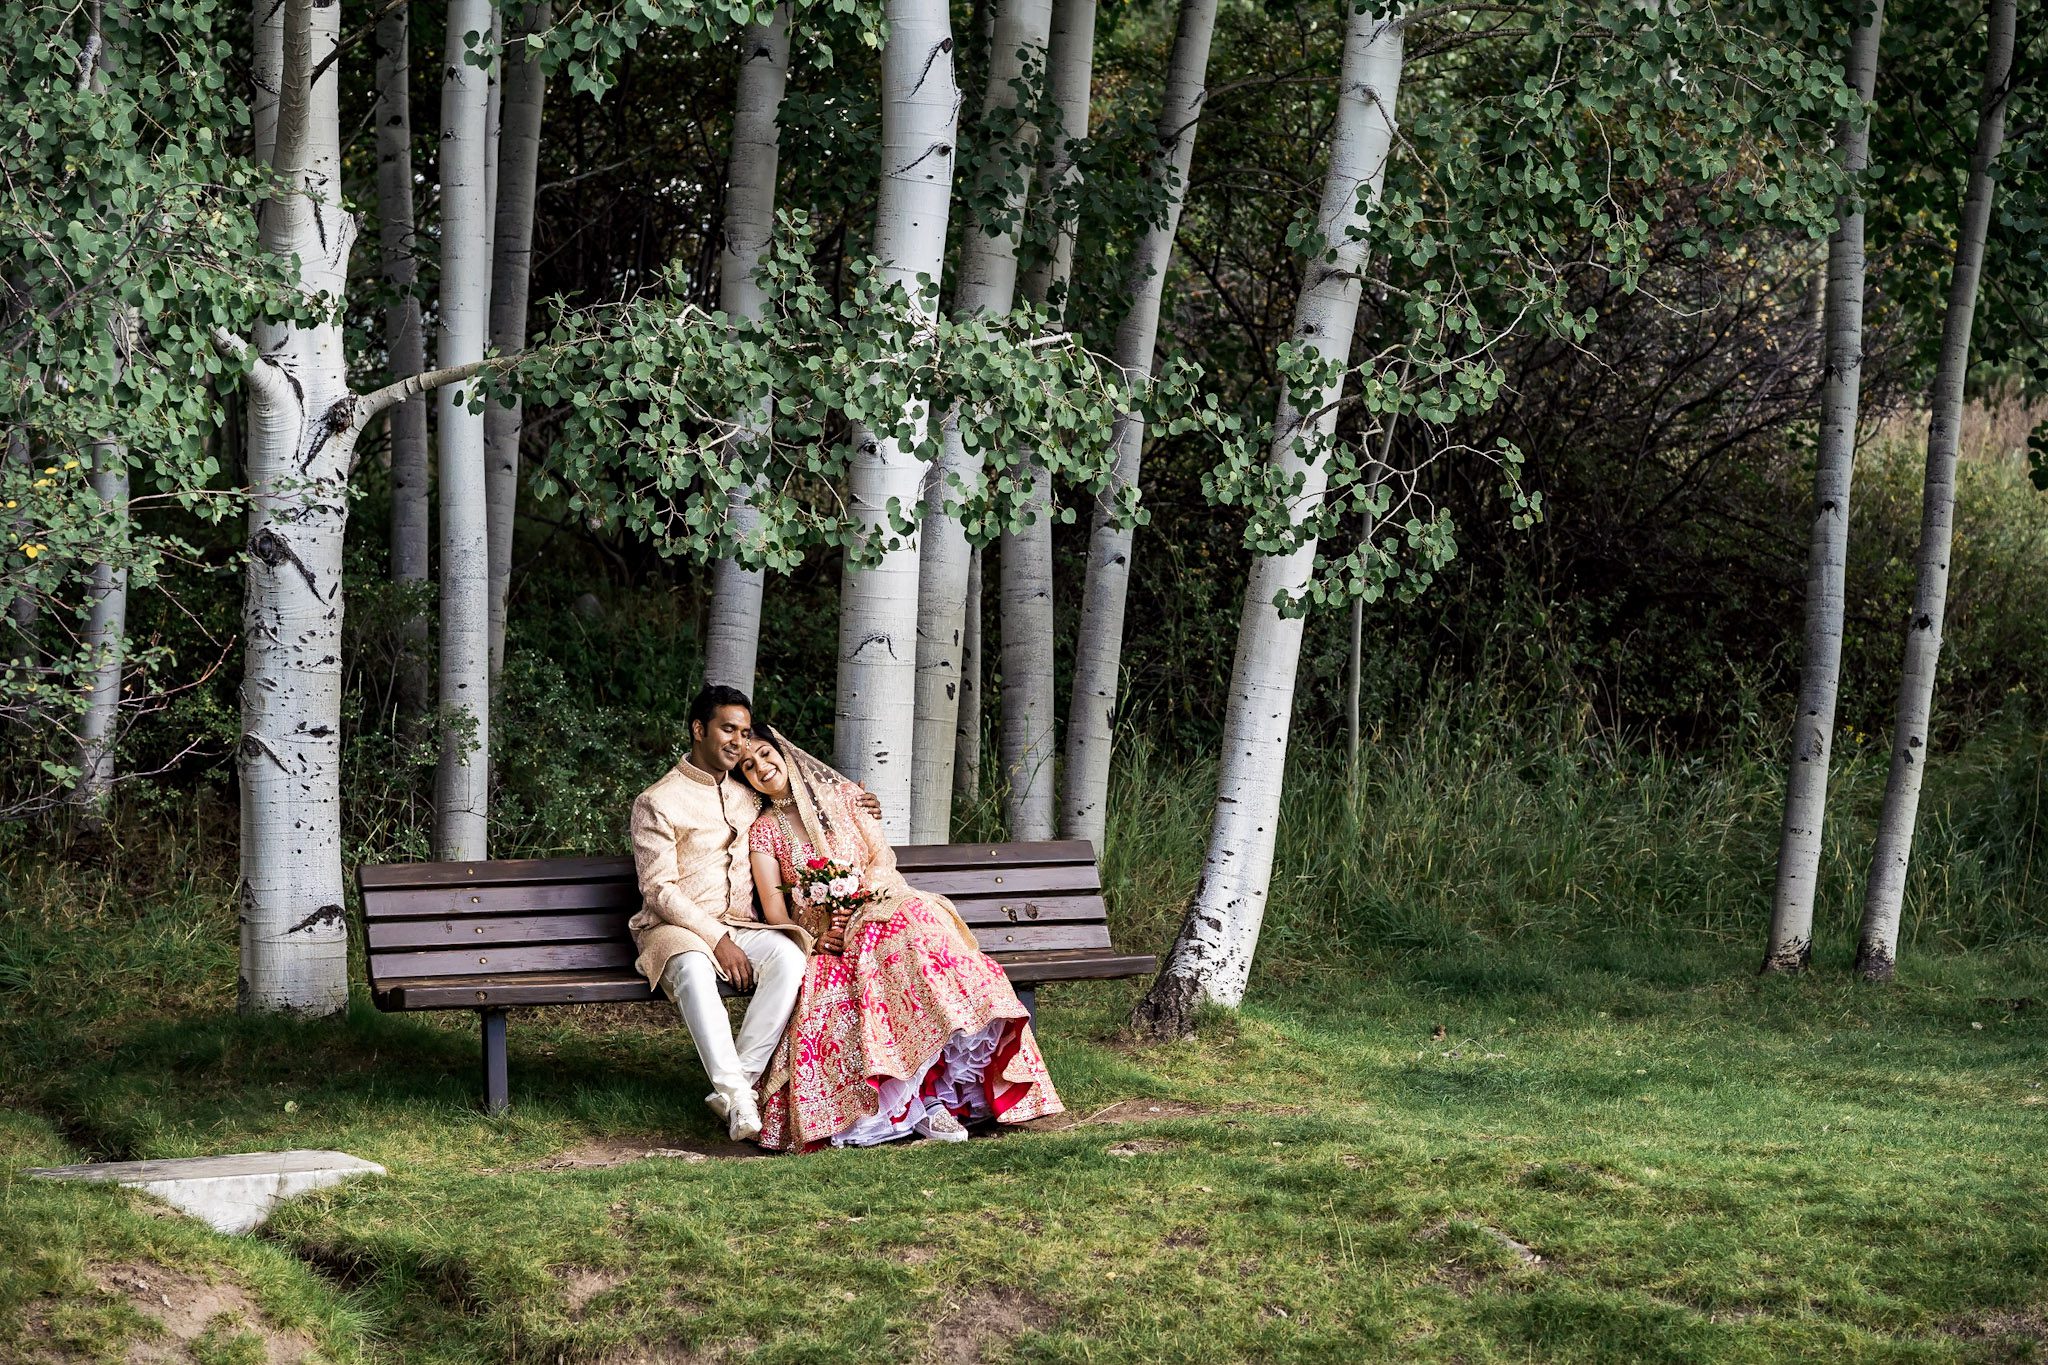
488,936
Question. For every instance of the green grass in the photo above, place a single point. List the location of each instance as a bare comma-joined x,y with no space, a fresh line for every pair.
1711,1167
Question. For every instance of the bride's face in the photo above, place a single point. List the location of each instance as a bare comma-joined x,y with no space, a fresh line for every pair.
762,767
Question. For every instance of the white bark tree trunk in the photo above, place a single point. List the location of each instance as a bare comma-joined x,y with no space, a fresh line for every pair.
462,785
1878,941
876,706
988,285
1029,736
107,615
732,636
1027,720
967,717
521,88
1813,728
21,612
106,624
294,944
1098,649
405,339
1211,960
493,122
1070,83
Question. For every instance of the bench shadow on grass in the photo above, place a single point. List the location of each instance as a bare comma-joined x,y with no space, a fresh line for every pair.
220,1082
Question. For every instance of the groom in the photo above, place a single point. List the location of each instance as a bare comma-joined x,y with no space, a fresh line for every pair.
696,925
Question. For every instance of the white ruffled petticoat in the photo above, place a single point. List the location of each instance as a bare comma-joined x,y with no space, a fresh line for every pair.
956,1087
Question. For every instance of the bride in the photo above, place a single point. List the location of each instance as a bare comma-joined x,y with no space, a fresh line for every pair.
903,1025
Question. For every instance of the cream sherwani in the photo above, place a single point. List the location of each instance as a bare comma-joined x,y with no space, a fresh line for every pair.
696,877
697,887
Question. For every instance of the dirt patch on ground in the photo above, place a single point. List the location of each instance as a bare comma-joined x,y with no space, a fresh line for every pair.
1123,1111
1461,1276
1140,1147
191,1310
982,1324
582,1283
600,1153
2014,1334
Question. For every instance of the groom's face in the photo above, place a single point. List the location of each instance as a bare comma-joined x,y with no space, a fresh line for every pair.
721,742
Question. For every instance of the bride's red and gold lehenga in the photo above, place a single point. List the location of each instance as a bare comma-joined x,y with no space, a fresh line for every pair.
912,1014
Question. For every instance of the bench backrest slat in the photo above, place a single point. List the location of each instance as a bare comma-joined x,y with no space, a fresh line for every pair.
480,931
569,915
1038,938
529,898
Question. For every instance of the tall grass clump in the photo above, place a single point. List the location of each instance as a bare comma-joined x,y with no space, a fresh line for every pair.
1470,827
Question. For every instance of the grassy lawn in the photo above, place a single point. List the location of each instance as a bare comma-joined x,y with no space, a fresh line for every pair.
1618,1150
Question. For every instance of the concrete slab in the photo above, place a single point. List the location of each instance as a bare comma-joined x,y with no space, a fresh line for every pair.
230,1193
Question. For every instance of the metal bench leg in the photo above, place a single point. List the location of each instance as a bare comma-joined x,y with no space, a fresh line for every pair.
1029,998
497,1088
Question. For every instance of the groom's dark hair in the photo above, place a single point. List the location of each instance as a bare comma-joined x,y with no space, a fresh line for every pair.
706,703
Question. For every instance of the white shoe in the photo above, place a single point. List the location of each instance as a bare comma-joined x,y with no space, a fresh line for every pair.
940,1126
744,1123
717,1104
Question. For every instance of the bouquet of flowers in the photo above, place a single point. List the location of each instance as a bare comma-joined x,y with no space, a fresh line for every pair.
826,893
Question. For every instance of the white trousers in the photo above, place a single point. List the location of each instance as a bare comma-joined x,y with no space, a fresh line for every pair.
691,980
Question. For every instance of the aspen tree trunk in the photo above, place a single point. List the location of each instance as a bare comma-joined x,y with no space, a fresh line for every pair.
107,616
967,718
494,90
522,88
732,636
1070,83
988,285
1027,719
21,612
294,944
405,339
1028,727
1098,651
1813,728
107,621
462,783
1211,960
876,706
1878,941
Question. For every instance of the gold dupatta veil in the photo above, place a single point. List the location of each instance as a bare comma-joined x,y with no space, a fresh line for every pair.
838,829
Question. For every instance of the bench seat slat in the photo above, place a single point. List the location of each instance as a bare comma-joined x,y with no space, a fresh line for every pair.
1028,969
607,987
526,988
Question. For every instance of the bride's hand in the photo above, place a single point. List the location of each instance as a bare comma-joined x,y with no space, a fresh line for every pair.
833,940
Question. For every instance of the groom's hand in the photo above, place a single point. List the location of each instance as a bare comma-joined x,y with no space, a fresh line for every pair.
870,803
734,963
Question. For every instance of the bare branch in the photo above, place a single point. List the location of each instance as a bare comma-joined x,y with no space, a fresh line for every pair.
377,400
